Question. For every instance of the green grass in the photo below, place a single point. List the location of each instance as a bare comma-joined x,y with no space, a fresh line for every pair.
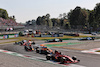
61,44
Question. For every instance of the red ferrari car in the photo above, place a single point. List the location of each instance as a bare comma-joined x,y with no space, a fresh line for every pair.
57,56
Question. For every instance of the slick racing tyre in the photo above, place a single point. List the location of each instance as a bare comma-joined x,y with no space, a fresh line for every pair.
26,48
37,50
62,60
58,59
48,57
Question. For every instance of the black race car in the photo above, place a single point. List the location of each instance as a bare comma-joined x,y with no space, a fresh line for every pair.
20,42
87,38
23,41
54,40
28,47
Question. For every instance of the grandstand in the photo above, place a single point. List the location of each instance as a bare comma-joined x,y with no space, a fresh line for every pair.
9,23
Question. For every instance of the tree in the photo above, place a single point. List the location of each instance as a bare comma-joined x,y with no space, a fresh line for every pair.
97,14
47,16
56,22
3,13
53,21
60,16
43,20
38,21
91,18
77,17
49,22
64,16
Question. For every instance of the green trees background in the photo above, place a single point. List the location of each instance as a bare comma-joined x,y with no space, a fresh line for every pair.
4,14
78,18
53,22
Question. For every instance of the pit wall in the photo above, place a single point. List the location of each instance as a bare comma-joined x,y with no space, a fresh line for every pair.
8,36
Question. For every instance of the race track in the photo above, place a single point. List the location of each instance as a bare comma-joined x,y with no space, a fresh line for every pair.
87,60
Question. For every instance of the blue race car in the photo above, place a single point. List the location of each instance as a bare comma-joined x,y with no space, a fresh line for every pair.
87,38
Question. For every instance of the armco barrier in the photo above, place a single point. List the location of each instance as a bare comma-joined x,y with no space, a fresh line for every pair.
45,35
54,35
8,36
72,34
60,35
37,35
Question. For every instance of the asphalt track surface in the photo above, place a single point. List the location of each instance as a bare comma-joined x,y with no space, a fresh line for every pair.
86,60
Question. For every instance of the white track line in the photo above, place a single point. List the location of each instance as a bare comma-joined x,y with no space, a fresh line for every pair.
92,51
38,59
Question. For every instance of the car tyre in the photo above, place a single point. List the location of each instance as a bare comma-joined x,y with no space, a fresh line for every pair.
62,59
48,57
37,51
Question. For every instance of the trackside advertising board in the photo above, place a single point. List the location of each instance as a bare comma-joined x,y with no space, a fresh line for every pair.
8,36
12,35
1,37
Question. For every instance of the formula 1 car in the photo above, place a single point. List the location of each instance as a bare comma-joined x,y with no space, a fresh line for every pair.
87,38
23,41
43,50
28,47
20,42
57,56
54,40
